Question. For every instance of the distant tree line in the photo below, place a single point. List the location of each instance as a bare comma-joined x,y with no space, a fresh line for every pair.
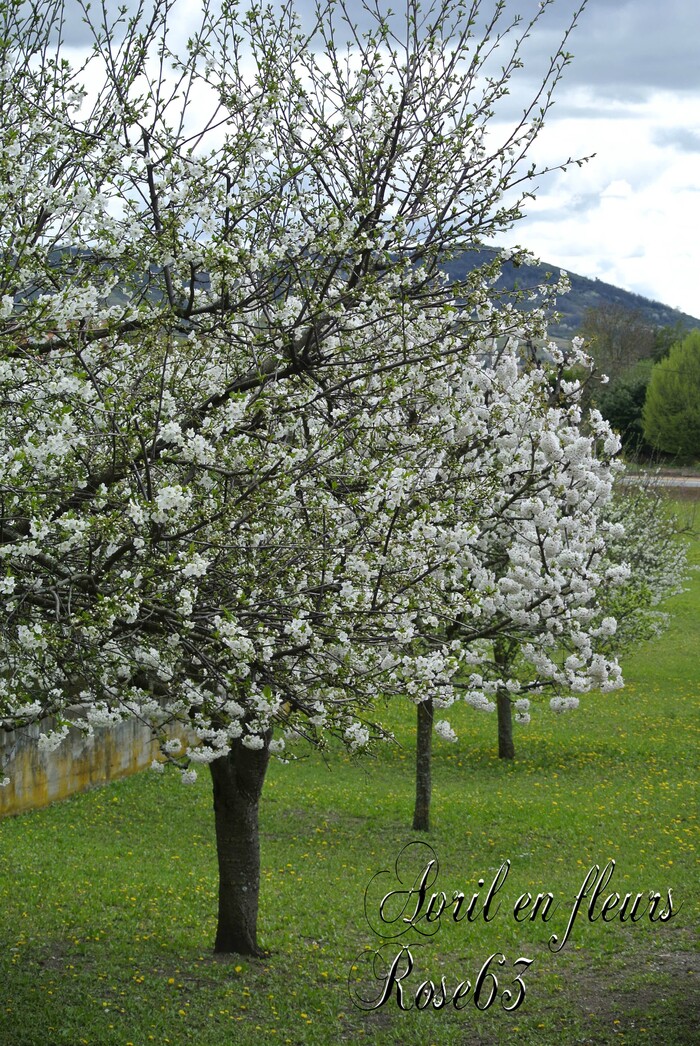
648,383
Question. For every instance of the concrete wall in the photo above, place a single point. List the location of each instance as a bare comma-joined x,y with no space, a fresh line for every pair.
80,762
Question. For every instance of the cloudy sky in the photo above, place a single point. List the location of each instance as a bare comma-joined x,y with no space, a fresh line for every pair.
631,216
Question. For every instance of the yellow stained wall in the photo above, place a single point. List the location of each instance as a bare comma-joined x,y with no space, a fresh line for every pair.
80,762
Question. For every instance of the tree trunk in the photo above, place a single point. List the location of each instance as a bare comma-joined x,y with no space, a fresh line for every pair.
238,781
424,743
504,707
503,654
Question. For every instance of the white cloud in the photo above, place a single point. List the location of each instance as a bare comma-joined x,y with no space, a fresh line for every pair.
631,215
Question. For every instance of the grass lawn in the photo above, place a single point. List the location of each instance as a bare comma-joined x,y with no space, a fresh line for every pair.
108,900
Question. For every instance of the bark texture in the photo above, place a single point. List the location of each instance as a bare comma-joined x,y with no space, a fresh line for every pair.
504,709
238,780
503,652
424,744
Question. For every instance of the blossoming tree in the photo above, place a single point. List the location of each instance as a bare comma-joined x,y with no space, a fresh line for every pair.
534,569
238,397
567,571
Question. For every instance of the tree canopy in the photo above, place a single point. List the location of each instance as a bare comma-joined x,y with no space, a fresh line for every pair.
257,452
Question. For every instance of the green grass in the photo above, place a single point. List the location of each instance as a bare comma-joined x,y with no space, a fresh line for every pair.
108,901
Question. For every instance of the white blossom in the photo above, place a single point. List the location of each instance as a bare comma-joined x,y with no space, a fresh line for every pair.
443,728
50,741
357,736
563,704
253,741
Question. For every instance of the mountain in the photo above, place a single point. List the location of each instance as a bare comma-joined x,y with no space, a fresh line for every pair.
584,294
